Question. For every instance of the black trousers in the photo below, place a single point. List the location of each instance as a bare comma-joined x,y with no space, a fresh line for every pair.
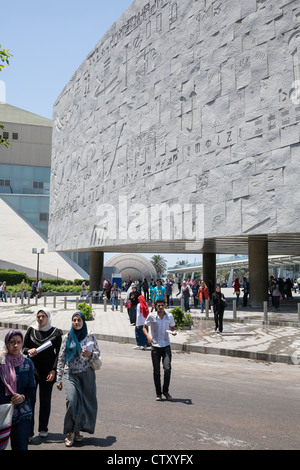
163,355
219,320
45,392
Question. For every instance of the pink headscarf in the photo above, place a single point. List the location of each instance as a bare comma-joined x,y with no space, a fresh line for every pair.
8,364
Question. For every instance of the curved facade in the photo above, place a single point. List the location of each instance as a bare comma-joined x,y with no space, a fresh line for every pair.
133,267
181,132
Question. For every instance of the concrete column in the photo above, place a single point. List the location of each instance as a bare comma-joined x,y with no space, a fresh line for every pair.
96,269
258,271
209,268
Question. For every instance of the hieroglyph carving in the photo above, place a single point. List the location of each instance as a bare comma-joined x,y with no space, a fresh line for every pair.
172,95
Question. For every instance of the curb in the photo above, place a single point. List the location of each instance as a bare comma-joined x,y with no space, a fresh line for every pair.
238,353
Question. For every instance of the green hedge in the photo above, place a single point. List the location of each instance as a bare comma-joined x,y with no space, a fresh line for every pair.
12,277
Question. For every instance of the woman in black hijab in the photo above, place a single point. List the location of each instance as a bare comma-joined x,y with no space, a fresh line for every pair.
218,300
45,363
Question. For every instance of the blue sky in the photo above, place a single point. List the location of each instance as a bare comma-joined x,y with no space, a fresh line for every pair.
49,41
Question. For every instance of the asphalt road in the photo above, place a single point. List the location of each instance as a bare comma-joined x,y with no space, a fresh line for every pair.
219,403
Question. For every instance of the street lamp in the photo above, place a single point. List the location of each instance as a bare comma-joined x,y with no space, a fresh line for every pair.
38,253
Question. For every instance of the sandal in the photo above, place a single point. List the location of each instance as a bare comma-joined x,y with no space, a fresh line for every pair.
78,436
69,442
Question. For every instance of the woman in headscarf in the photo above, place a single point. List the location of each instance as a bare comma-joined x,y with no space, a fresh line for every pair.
142,312
74,367
17,387
45,364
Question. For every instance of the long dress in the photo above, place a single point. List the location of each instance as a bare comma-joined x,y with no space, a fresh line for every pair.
79,382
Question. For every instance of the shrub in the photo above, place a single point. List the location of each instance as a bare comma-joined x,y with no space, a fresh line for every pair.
87,310
182,320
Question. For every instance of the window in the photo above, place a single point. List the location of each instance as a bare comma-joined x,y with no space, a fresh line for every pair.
38,184
44,216
15,136
4,182
5,135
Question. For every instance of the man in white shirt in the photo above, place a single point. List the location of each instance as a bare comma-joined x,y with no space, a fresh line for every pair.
161,323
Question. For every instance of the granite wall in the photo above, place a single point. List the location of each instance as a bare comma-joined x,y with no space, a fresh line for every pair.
193,105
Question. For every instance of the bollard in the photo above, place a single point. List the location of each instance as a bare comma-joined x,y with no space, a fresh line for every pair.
65,303
206,308
182,303
104,303
45,301
77,302
299,313
36,300
16,298
90,300
121,305
234,310
22,298
28,301
54,302
10,297
265,311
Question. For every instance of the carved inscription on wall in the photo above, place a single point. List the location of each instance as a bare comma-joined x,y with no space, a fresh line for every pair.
174,97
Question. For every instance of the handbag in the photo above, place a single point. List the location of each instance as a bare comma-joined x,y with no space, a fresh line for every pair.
6,414
128,304
95,363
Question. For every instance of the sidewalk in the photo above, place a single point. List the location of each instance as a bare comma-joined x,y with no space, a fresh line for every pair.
247,337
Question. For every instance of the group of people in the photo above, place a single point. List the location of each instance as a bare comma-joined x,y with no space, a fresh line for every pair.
279,288
45,357
39,360
36,289
202,293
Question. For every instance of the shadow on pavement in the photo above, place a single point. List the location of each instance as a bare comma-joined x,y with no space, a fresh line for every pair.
59,439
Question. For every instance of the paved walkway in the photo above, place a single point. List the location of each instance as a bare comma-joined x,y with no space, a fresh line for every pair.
249,336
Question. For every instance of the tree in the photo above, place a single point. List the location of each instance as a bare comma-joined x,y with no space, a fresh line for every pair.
4,58
160,264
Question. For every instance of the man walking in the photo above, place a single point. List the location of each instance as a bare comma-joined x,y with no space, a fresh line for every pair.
161,323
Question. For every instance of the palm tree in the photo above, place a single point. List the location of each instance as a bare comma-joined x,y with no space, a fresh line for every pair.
160,264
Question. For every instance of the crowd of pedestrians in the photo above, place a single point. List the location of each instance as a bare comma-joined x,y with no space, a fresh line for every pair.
45,356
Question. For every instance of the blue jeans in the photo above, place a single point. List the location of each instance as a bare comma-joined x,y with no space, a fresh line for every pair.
186,303
114,302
